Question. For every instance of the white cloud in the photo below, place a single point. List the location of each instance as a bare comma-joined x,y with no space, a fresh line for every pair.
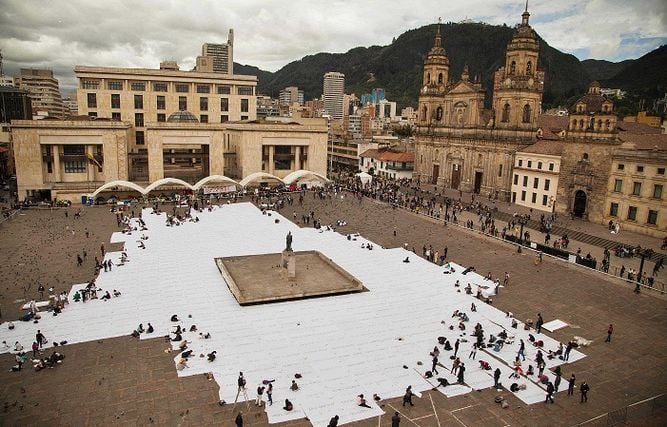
271,33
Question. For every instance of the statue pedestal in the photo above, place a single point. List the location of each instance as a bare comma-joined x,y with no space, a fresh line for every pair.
289,263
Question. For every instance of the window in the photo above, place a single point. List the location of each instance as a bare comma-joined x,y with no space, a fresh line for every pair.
203,88
245,90
516,179
115,85
90,84
620,167
544,200
75,161
74,150
92,114
115,116
551,166
140,137
661,171
534,198
632,213
160,102
115,100
613,209
161,117
182,87
618,186
500,170
159,87
139,120
138,86
547,182
539,165
139,102
224,118
536,182
529,68
75,166
203,118
640,169
513,67
282,157
514,197
506,114
525,181
526,113
657,191
92,100
636,188
244,117
224,89
182,103
224,104
244,105
203,104
520,162
523,196
530,163
652,217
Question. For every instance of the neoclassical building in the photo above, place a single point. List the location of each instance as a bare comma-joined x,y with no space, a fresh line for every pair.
462,145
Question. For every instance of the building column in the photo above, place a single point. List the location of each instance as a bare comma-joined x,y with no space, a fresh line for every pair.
55,152
155,159
297,157
271,165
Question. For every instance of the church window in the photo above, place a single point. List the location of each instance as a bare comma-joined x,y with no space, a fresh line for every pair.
440,78
512,68
438,114
591,124
428,78
424,113
606,124
526,113
574,124
580,108
599,124
581,123
506,113
529,68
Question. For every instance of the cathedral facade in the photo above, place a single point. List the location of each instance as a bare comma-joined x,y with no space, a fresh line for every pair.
460,144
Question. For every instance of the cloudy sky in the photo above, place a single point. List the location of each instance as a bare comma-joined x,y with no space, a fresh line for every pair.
60,34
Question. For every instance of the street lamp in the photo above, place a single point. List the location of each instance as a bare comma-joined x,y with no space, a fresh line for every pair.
643,253
523,220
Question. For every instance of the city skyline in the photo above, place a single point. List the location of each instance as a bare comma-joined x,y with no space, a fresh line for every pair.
61,35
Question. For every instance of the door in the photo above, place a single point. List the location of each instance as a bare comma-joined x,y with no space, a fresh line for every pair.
478,182
456,176
579,204
436,173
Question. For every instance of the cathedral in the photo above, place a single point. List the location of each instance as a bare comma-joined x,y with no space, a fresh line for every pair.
462,145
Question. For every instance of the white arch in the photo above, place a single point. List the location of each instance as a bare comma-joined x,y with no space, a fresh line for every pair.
119,183
163,181
208,179
257,176
297,175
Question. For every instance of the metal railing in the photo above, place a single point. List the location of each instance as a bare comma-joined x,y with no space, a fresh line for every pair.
653,408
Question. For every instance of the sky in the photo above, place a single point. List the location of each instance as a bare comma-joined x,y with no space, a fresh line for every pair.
59,34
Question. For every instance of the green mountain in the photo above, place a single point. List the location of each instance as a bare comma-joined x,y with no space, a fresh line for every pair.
645,76
397,67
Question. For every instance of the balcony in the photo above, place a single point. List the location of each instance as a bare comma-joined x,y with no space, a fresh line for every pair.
400,168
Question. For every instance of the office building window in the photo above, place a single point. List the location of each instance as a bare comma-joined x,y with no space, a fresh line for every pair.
224,104
523,196
203,118
530,163
74,158
652,217
547,182
539,165
182,87
636,188
224,118
75,166
138,86
618,185
139,120
516,179
620,167
545,199
159,87
632,213
161,117
640,169
182,103
224,89
245,90
534,198
244,105
551,166
520,162
115,116
92,100
115,100
115,85
139,102
613,209
525,181
661,171
657,191
203,104
160,102
203,88
90,84
536,182
140,137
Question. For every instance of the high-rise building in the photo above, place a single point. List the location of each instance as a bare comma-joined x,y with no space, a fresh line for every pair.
334,88
44,91
217,57
291,95
71,108
14,104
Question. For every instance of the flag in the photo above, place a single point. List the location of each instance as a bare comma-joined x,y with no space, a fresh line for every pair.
93,160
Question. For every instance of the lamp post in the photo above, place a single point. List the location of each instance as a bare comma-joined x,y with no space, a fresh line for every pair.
523,220
643,253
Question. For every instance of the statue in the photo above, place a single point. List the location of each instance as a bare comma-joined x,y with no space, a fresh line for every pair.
288,242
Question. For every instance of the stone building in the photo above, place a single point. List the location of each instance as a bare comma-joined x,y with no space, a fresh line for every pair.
462,145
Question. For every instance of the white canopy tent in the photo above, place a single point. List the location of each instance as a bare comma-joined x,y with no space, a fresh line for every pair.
364,177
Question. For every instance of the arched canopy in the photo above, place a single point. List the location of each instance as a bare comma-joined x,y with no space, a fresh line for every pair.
113,184
164,181
214,178
258,176
297,175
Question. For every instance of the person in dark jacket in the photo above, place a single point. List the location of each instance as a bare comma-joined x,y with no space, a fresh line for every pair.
395,420
333,422
239,420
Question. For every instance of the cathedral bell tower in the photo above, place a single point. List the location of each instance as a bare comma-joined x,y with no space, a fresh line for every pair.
518,86
434,82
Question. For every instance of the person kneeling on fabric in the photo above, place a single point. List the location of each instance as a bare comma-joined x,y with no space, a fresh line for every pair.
288,405
361,401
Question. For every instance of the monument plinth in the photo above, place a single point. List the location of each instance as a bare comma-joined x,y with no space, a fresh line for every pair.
289,264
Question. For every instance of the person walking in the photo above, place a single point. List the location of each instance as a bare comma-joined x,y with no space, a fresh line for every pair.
241,388
462,369
407,397
584,391
435,364
40,338
570,385
239,420
260,393
522,350
539,323
610,330
557,382
496,378
473,351
569,347
269,394
395,420
333,422
456,347
550,392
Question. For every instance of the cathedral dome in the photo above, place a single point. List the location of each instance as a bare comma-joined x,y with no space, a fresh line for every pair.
182,117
